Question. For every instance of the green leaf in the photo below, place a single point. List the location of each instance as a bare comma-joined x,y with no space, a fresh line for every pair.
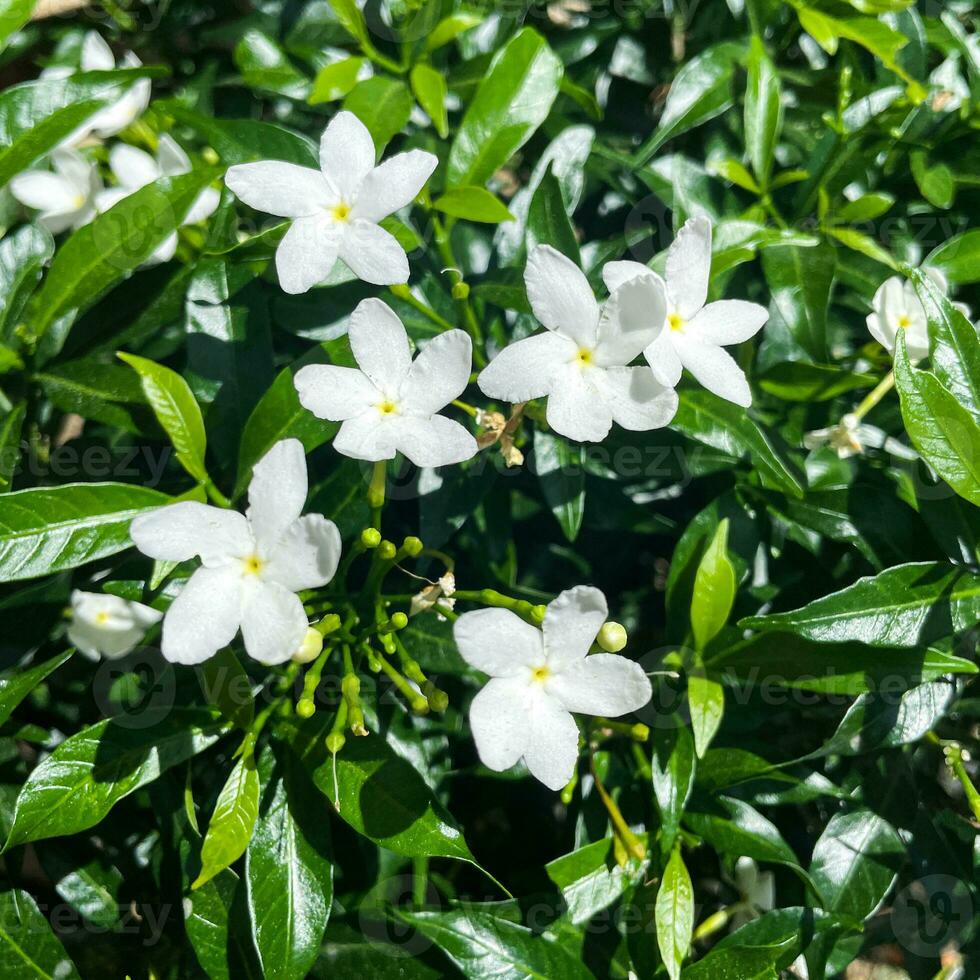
383,105
548,220
450,28
675,914
855,863
334,81
228,687
701,90
351,19
945,433
714,590
23,255
49,529
14,14
473,204
800,280
482,946
740,963
380,795
797,381
958,258
233,820
102,253
936,183
86,775
905,606
763,111
430,91
289,874
264,66
737,829
512,101
858,241
560,467
29,950
11,426
728,428
14,688
207,913
176,410
673,767
706,702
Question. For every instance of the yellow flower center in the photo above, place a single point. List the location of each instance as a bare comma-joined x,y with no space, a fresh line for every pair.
540,674
676,321
387,407
252,565
102,617
904,322
341,212
584,357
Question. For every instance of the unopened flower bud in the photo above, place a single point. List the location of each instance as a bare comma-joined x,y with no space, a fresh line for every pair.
420,705
310,647
399,621
612,637
305,708
370,537
329,624
412,546
387,550
438,700
335,742
461,291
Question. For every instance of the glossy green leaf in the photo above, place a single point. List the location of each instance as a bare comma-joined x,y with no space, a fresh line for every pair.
800,280
23,255
473,204
48,529
29,950
958,258
335,80
264,65
14,687
548,219
738,829
383,105
714,590
176,410
451,27
86,775
675,914
13,15
11,426
233,820
706,702
108,393
430,91
511,102
560,468
763,110
797,381
227,687
673,767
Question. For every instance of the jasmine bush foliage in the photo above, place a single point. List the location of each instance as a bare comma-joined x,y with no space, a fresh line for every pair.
489,490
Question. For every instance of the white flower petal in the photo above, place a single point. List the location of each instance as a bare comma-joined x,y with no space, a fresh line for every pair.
393,184
347,154
307,253
552,749
373,254
171,158
107,625
500,723
164,252
334,393
380,345
439,374
284,189
636,399
133,168
602,684
689,265
206,204
110,198
181,531
130,106
715,369
498,642
205,616
614,274
729,321
46,192
663,360
76,169
96,53
370,436
572,622
525,369
277,493
307,554
576,409
631,319
273,623
561,296
434,441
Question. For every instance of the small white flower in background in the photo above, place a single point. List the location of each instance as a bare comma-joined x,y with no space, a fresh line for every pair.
134,168
581,361
896,307
252,565
65,197
851,436
336,210
107,625
694,332
538,677
97,56
757,890
390,404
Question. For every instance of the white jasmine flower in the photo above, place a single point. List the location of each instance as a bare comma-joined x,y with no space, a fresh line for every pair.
580,362
106,625
252,565
390,404
694,332
757,890
66,197
538,677
112,119
134,168
896,307
851,436
336,210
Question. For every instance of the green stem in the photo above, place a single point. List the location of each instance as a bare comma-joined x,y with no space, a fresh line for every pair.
407,296
214,494
376,492
460,293
420,874
873,397
631,842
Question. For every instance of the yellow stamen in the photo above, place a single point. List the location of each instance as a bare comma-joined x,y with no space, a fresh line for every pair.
253,565
102,617
676,321
584,357
904,322
387,408
540,674
341,212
